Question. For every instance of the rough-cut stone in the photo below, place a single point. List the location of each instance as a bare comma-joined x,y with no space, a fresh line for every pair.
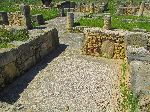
70,21
140,72
62,12
40,19
11,70
4,17
107,22
136,39
141,10
107,49
26,18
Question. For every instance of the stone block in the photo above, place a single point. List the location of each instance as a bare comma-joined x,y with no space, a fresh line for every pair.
26,18
70,21
107,22
140,76
136,40
11,71
4,17
7,57
107,49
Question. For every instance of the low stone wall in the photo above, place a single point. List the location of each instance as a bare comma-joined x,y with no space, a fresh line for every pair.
105,43
16,61
127,10
15,18
92,8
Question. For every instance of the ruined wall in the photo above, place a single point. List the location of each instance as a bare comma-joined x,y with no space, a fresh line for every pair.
91,8
104,43
127,10
17,61
15,18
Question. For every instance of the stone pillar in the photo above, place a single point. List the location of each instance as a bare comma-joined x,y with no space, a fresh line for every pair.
27,18
120,10
70,21
107,22
40,19
62,12
92,8
4,18
101,9
80,7
141,10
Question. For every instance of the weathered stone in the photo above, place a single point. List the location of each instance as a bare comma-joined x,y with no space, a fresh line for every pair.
70,21
4,17
7,57
141,10
107,22
140,72
26,18
136,40
92,8
29,63
11,70
107,49
120,10
62,12
40,19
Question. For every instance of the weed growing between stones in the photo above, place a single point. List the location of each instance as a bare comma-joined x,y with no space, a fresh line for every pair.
129,100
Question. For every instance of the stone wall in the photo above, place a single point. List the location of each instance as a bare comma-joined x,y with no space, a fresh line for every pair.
15,18
127,10
104,43
141,10
91,8
16,61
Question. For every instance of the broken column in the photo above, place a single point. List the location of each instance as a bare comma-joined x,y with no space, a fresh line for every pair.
141,10
92,8
107,22
4,18
26,18
40,19
62,12
80,7
70,21
120,10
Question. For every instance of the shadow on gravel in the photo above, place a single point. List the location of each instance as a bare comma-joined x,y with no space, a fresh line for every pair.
11,93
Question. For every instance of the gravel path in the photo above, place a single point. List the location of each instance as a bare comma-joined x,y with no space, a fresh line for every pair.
65,81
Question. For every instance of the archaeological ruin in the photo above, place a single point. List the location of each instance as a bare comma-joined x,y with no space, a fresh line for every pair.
77,56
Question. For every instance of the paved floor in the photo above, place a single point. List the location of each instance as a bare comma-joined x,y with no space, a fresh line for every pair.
65,80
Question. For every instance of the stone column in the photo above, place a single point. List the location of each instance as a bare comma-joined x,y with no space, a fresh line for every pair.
62,12
120,10
27,18
70,21
80,7
92,8
141,10
4,18
40,19
107,22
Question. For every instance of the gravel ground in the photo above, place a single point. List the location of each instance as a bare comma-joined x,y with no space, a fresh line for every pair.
65,80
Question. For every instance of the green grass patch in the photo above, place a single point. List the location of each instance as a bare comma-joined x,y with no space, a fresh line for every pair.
118,22
14,35
47,13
